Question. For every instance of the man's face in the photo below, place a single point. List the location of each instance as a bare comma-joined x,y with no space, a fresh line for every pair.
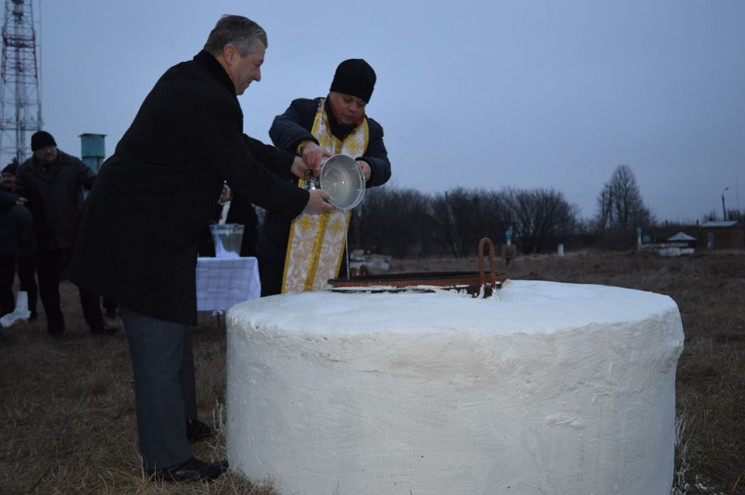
9,180
247,69
47,154
226,195
347,109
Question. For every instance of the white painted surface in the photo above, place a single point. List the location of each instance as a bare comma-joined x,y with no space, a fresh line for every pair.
546,388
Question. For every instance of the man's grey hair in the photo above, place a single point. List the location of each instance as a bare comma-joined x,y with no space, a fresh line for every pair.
239,31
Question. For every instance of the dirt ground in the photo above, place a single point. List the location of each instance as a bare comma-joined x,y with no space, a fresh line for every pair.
67,422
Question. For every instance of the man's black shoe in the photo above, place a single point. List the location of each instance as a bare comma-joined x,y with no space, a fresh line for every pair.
197,430
103,329
191,470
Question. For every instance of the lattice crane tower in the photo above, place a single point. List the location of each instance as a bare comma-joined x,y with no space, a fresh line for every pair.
20,115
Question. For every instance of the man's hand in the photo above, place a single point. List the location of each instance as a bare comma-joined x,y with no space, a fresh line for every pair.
299,167
317,202
313,156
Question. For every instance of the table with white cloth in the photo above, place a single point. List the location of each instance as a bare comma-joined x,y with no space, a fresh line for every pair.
225,282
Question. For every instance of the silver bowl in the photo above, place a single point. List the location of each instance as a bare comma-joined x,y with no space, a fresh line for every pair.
341,177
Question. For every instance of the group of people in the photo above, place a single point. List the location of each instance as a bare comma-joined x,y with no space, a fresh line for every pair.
17,249
312,129
40,203
184,149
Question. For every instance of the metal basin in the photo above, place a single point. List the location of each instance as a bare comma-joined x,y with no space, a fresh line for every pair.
342,178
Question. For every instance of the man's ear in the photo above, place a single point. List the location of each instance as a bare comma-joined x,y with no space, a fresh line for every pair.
229,52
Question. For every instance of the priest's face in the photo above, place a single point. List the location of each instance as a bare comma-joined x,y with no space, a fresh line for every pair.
347,109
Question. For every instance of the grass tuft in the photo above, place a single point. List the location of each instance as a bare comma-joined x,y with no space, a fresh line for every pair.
67,417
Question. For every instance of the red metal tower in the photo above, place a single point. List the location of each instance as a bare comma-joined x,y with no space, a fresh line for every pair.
20,112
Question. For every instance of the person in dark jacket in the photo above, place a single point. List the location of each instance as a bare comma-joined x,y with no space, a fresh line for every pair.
315,129
233,209
142,223
242,212
17,245
51,184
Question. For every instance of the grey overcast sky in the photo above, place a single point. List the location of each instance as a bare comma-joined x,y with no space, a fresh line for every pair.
480,94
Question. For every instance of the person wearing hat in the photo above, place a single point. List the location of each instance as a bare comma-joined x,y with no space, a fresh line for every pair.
316,129
17,245
51,184
9,176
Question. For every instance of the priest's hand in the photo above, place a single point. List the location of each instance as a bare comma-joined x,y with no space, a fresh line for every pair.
314,155
366,170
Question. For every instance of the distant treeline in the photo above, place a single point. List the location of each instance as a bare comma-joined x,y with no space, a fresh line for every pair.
407,222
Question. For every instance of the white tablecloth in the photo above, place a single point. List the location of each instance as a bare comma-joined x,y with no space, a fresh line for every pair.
225,282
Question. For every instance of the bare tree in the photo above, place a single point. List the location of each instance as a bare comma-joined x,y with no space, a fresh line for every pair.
407,222
539,218
461,218
393,221
620,203
734,214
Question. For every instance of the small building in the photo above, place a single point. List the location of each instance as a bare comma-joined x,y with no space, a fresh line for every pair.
679,244
683,240
728,234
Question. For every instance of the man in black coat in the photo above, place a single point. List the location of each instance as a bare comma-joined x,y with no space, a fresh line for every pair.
51,184
142,223
17,245
343,114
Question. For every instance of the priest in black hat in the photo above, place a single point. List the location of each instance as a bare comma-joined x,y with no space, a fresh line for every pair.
316,129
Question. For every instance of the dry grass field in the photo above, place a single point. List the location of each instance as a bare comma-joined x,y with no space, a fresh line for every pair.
67,421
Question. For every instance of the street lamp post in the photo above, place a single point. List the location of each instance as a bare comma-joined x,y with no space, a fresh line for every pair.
724,210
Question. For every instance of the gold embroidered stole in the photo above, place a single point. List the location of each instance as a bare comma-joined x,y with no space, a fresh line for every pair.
316,245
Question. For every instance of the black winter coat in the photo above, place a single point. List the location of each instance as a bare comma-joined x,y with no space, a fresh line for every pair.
293,127
287,132
16,235
142,222
55,197
8,200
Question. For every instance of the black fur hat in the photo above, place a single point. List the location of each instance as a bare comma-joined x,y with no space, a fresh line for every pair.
11,168
41,139
354,77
